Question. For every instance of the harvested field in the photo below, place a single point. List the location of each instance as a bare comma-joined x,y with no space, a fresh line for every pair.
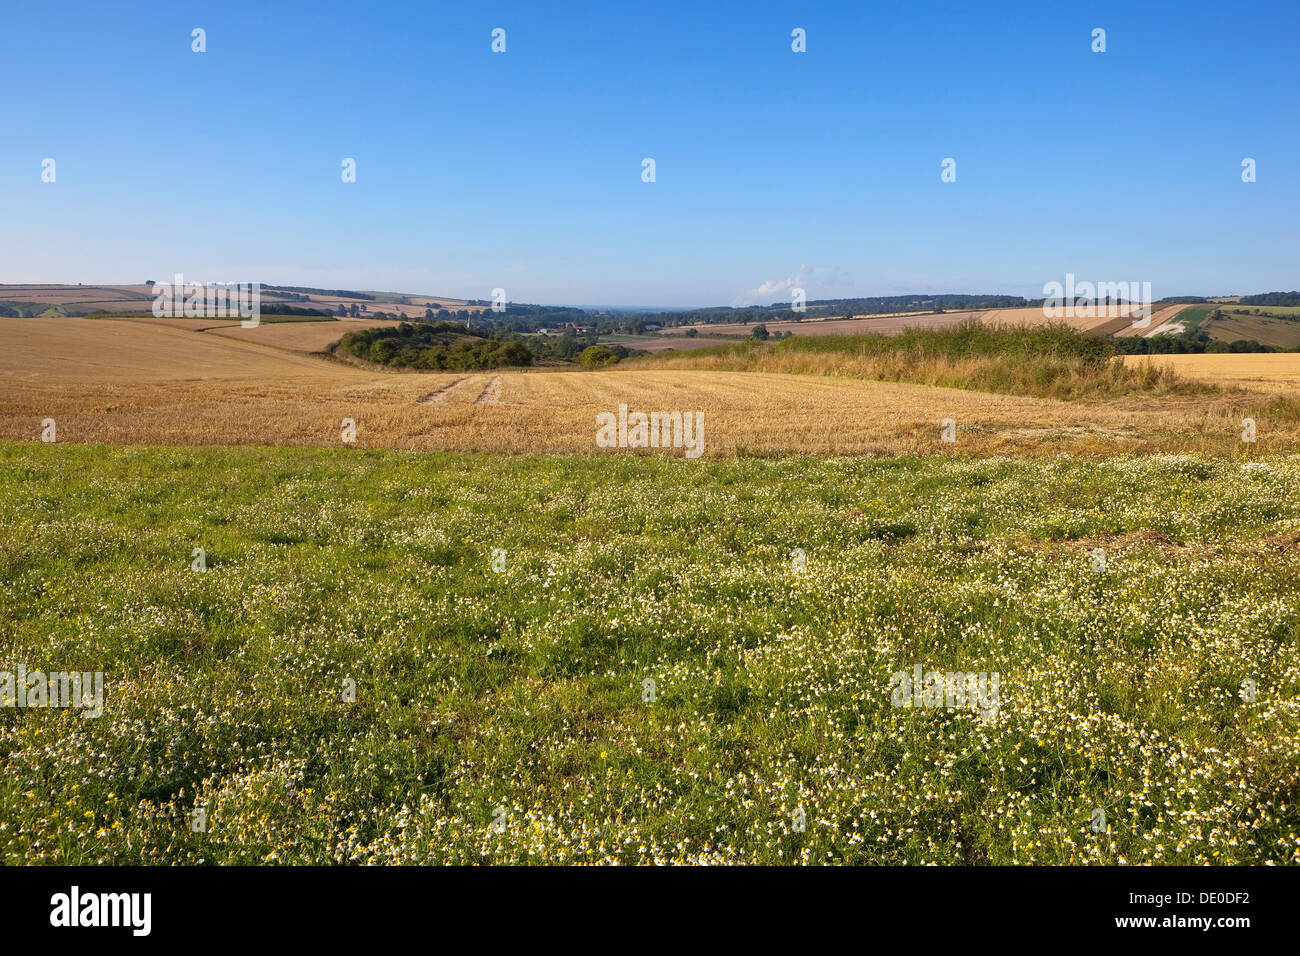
1034,316
664,343
885,324
1267,330
133,298
1286,310
439,395
142,382
894,323
102,354
296,336
491,394
1273,371
107,297
414,309
1159,317
300,336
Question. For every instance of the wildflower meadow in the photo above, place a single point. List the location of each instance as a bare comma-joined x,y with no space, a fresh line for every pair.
354,656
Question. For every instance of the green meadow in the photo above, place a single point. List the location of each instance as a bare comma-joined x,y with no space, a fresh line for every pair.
400,657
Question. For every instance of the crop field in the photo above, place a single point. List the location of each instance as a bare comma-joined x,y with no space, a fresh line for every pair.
1120,324
299,336
1103,323
1267,330
1269,372
296,334
663,342
669,661
152,382
1284,310
79,299
885,324
382,302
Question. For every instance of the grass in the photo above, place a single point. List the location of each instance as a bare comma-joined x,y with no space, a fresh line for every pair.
504,716
1192,316
1275,331
1048,361
1284,311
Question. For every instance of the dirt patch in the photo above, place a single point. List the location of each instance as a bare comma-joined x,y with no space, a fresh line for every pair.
1143,537
492,394
440,396
1060,431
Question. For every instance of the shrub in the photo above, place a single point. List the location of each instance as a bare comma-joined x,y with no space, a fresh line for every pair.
1051,361
596,356
434,345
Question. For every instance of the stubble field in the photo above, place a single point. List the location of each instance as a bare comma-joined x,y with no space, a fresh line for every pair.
143,382
889,324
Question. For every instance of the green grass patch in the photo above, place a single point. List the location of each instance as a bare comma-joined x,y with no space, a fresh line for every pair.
1194,315
672,661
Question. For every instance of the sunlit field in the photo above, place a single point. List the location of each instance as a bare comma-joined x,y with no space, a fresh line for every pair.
158,382
406,657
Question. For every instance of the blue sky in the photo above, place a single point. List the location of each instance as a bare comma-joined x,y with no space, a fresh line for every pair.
522,170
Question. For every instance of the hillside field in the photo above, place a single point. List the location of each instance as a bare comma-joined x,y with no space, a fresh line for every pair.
161,382
1274,330
83,299
893,323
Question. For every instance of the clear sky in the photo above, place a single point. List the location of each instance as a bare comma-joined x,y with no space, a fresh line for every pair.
523,170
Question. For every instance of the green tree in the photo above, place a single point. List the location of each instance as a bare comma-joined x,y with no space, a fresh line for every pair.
596,356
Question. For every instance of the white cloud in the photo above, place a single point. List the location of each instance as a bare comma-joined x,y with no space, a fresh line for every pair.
824,278
767,292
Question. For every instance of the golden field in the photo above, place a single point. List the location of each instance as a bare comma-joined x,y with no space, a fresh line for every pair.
84,298
886,324
895,322
298,336
132,381
1266,371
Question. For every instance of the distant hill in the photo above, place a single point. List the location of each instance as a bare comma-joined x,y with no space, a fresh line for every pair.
53,300
80,300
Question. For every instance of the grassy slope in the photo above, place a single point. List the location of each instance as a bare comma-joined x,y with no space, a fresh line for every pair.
1267,330
1045,361
1292,311
1192,316
524,690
